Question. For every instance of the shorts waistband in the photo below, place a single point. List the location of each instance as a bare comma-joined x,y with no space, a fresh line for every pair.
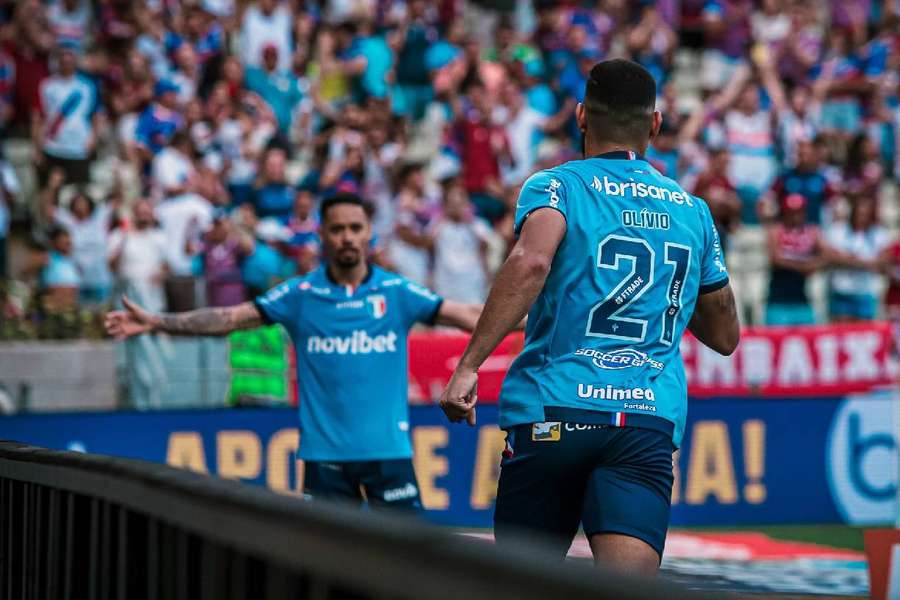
615,419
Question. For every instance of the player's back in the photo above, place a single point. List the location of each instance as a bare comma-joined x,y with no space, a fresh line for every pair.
603,335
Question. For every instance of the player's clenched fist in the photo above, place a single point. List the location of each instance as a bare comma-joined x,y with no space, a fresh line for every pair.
459,399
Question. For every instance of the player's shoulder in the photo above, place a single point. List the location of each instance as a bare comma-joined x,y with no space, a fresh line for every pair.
301,285
391,282
553,176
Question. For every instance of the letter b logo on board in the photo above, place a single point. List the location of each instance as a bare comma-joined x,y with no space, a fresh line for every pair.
862,460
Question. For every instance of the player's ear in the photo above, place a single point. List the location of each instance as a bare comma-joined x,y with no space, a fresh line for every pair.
581,117
657,123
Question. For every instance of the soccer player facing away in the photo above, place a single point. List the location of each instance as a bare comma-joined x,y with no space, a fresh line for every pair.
613,261
348,321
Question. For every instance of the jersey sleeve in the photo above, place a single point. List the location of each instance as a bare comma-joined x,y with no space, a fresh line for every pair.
420,305
713,273
544,189
281,303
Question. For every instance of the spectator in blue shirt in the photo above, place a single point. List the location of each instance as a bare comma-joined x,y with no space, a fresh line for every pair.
272,196
280,89
159,121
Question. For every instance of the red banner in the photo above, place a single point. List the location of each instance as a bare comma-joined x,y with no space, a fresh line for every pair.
823,360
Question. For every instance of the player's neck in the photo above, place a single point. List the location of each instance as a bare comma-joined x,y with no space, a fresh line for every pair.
598,148
349,276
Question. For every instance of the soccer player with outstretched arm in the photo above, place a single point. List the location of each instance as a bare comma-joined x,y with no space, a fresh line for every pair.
349,322
613,262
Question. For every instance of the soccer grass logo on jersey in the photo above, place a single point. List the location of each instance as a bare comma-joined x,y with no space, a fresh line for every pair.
546,432
622,358
377,305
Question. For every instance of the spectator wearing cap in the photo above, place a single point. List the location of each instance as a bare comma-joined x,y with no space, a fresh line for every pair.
159,121
796,251
65,127
858,255
266,22
221,252
807,179
280,89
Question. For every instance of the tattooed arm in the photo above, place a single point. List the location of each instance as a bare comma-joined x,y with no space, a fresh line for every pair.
715,321
134,320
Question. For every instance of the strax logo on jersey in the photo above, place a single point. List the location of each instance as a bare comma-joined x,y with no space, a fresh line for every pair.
546,432
377,305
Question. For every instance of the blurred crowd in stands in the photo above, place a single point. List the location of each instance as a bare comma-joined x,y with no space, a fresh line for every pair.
177,151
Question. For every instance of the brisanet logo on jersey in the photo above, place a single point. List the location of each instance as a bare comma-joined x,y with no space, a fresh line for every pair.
622,358
359,342
862,459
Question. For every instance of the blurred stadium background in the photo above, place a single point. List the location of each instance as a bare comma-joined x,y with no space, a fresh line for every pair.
177,150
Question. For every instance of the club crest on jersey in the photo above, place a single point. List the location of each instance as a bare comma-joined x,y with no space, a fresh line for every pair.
377,305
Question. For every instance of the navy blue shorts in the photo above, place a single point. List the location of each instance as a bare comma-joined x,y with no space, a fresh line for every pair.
381,483
555,476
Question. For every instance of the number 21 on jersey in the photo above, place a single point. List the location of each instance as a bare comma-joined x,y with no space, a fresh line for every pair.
607,319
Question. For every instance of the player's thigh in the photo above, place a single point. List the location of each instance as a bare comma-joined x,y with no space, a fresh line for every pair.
629,491
330,481
542,481
391,484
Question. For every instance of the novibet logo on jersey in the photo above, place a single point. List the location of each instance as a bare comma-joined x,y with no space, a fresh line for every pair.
639,189
359,342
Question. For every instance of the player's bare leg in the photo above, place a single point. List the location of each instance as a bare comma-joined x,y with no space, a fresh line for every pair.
624,554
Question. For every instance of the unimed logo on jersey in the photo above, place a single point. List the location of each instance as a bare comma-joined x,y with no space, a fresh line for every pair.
359,342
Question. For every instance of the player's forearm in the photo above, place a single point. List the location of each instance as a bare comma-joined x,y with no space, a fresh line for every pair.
209,321
715,322
518,283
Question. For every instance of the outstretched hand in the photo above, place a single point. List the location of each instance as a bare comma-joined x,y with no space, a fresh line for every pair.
134,320
459,399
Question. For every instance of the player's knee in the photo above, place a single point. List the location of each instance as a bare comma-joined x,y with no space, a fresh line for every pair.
624,554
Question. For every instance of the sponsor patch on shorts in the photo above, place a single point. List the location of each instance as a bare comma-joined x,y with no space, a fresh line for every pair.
546,432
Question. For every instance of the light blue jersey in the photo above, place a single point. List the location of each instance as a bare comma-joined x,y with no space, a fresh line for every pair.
602,341
351,360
